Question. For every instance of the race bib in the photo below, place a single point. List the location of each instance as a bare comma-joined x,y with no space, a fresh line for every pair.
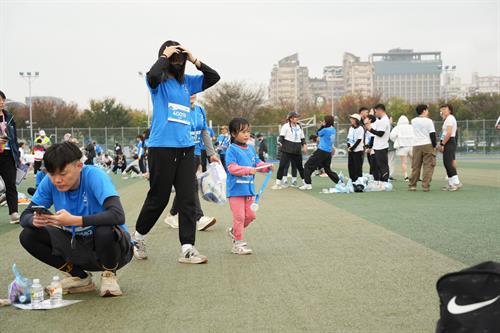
179,113
196,136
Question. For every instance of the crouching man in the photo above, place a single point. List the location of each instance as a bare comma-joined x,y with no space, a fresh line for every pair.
87,232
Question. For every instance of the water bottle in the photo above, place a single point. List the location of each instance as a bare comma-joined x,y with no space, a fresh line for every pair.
55,291
36,292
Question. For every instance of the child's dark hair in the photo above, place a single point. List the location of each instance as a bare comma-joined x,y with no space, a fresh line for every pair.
59,155
421,108
139,136
236,126
372,118
329,121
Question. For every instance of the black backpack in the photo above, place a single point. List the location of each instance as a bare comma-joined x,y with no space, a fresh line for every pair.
470,300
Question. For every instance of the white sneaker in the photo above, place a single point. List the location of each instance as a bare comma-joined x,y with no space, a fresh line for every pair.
284,184
173,221
109,285
139,248
276,187
294,184
306,187
192,256
241,248
75,285
205,222
14,218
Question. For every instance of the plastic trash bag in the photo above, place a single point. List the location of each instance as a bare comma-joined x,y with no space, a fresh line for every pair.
212,183
19,289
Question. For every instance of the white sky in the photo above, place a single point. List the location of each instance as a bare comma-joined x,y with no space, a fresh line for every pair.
93,49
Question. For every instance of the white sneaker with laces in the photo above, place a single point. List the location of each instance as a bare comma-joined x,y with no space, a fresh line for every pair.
139,248
192,256
241,248
294,184
109,285
75,285
306,187
172,221
205,222
14,218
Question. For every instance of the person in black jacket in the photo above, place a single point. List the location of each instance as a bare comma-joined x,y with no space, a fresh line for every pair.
262,147
9,158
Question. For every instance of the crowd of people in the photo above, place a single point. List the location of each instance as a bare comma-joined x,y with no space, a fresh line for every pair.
87,231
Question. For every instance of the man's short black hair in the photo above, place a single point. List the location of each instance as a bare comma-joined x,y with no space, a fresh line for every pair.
59,155
361,109
379,106
421,108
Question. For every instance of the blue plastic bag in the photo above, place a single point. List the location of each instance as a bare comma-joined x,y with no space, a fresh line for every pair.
19,289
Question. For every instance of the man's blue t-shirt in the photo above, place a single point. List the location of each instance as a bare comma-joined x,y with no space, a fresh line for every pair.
171,124
198,123
327,139
88,199
239,186
40,175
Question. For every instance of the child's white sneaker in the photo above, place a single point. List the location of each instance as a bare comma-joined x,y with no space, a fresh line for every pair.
306,187
241,248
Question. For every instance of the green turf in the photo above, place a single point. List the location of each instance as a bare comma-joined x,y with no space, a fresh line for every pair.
322,263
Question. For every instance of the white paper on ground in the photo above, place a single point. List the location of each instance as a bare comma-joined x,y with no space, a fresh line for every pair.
46,305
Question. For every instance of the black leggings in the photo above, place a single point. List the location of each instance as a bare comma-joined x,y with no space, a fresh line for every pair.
8,173
381,166
322,159
167,167
107,249
198,212
116,167
294,169
449,156
294,159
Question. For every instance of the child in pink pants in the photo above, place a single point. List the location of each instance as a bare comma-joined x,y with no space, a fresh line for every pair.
241,161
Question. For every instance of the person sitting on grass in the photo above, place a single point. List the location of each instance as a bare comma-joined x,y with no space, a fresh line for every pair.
87,232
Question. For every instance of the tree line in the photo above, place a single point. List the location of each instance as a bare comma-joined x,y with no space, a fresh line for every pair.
239,99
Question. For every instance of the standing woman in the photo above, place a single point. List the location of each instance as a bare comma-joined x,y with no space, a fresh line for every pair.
355,138
9,158
448,146
402,136
171,146
292,142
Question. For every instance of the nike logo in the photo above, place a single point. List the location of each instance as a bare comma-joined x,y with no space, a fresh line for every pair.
454,308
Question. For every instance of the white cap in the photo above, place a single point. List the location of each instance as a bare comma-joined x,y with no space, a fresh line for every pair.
42,133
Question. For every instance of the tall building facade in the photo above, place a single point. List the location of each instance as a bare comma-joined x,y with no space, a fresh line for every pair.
334,76
485,84
358,76
289,82
412,76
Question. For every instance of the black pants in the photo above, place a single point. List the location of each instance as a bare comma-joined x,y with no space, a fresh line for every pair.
322,159
36,166
355,165
116,167
142,166
204,160
449,156
294,169
294,159
381,166
198,212
167,167
8,173
107,249
371,162
261,157
223,161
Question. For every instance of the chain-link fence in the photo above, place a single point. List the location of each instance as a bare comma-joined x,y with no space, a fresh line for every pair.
473,136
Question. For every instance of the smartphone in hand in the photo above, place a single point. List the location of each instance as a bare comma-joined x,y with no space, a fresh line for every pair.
41,210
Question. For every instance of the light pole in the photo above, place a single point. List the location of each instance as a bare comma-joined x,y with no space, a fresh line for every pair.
28,76
143,75
446,70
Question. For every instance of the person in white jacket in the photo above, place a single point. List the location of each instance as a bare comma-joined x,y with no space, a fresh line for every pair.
402,135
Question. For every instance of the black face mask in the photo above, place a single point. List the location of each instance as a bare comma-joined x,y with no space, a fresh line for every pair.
176,70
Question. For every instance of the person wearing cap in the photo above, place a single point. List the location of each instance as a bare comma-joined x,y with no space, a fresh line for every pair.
355,147
322,157
45,139
292,143
9,158
381,130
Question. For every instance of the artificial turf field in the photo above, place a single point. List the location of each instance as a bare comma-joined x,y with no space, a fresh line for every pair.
361,262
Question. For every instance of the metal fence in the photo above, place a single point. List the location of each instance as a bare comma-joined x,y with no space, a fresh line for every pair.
473,136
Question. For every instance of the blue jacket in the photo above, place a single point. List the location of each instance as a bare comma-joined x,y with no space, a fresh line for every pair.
12,135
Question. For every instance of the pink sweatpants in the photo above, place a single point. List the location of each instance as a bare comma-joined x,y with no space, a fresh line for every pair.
242,214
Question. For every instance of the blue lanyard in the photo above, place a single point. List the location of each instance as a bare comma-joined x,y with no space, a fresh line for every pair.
263,187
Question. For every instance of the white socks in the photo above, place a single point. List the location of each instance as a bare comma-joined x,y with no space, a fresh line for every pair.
186,247
138,236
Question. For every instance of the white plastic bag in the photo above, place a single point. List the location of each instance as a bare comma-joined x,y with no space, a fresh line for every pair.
212,183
